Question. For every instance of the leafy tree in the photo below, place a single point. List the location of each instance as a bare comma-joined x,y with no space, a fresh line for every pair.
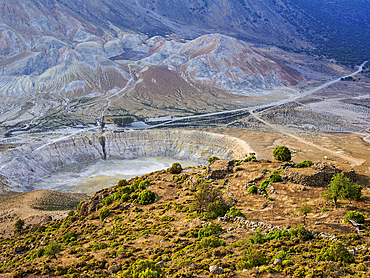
205,195
340,187
282,153
125,121
53,248
304,209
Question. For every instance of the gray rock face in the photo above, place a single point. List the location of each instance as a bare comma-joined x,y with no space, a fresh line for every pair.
75,153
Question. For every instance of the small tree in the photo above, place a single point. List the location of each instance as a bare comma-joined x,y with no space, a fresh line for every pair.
282,153
304,209
340,187
18,225
175,168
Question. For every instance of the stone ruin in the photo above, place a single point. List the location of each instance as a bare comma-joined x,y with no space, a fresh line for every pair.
321,176
219,169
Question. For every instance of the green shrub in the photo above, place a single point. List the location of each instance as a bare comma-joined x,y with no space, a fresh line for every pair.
143,269
282,153
253,189
210,229
175,168
257,238
143,184
213,158
216,209
356,216
250,259
278,234
275,178
301,233
40,252
235,212
104,213
264,184
133,196
324,209
146,197
304,164
68,235
283,255
337,252
125,197
52,249
122,183
211,241
108,200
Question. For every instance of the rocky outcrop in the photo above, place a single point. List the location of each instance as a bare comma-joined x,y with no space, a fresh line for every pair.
74,153
320,176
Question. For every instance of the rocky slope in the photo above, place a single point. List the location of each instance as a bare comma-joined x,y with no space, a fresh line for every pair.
25,167
175,233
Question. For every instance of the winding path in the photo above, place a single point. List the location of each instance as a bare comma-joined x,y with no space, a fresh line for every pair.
294,98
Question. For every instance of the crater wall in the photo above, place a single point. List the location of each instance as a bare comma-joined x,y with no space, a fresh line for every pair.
79,151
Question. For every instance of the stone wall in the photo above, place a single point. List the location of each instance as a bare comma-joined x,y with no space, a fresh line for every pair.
322,177
29,166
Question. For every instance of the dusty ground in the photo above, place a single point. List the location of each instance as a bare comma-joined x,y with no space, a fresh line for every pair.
33,207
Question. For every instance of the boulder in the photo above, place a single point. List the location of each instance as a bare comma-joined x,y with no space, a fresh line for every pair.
115,268
214,269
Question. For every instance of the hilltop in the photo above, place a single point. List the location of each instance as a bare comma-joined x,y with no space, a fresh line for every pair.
125,229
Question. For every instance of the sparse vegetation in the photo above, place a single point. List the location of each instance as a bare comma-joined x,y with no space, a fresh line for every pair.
181,231
356,216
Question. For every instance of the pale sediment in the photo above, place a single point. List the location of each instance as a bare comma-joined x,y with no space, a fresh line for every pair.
79,151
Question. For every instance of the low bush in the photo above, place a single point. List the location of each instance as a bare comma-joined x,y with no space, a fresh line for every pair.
125,197
253,189
257,238
216,209
210,229
211,241
250,259
337,252
264,184
175,168
146,197
304,164
301,233
104,213
213,158
108,200
356,216
275,178
143,269
235,212
122,183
